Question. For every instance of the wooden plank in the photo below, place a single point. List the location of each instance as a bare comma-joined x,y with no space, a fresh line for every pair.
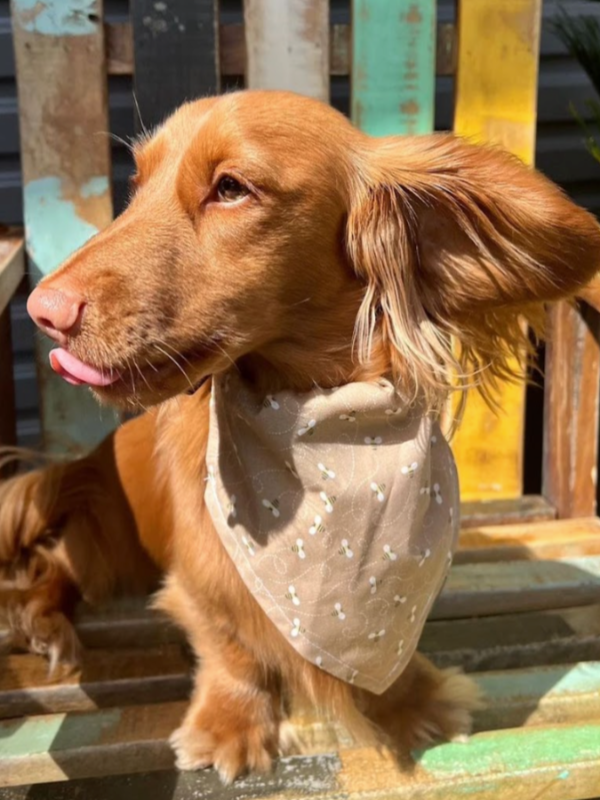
506,587
515,640
393,66
106,742
496,99
175,48
287,46
106,678
534,540
12,265
54,748
8,416
571,410
232,49
65,158
562,694
528,508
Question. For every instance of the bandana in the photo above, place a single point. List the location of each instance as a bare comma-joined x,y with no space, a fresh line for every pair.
339,509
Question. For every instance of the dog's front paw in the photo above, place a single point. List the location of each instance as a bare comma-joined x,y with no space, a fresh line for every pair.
232,751
53,636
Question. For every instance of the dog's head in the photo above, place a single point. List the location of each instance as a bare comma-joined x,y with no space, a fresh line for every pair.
265,230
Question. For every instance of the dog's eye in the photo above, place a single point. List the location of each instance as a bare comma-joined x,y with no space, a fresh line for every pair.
229,190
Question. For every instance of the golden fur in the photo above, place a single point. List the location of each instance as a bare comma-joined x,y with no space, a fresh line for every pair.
344,258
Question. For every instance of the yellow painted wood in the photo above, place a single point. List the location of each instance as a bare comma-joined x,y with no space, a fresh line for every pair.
496,98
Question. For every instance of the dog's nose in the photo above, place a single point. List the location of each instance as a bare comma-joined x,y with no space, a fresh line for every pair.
57,313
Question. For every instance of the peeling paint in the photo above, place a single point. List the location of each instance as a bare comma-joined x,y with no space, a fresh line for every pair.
54,230
57,17
95,187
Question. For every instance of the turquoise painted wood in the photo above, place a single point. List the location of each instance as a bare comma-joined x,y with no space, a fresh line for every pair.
393,66
65,156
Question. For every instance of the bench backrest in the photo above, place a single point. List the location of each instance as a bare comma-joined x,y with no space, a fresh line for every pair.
392,52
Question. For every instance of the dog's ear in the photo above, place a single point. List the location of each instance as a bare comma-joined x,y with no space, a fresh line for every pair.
455,240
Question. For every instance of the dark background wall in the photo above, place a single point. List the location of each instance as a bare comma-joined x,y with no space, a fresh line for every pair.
560,150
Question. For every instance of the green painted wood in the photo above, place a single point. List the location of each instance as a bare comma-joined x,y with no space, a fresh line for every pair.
65,159
506,587
393,66
539,695
112,741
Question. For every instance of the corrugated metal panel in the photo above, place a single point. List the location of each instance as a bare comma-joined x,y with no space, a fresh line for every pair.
560,152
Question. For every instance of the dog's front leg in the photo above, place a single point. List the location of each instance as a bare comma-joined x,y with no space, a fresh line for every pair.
235,711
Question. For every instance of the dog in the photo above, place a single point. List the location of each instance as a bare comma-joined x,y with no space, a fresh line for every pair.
268,239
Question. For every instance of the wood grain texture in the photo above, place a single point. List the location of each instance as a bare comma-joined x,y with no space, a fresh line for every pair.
106,678
528,508
8,416
530,541
534,638
176,55
113,742
496,98
393,66
232,49
12,265
65,158
508,587
287,46
571,410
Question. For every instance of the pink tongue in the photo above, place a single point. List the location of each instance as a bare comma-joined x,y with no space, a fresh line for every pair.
76,372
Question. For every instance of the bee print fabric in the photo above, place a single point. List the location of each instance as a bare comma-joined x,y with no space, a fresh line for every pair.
339,508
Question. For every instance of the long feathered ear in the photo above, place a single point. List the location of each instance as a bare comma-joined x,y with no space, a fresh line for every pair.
459,241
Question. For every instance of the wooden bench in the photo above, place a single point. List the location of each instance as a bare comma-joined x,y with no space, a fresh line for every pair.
521,609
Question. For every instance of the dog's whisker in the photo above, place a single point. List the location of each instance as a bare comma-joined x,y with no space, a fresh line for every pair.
179,367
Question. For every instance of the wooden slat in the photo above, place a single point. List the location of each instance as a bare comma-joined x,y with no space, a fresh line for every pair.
539,696
529,508
507,587
56,747
393,66
515,640
232,49
8,416
529,541
496,98
65,158
571,410
12,266
106,678
175,53
287,46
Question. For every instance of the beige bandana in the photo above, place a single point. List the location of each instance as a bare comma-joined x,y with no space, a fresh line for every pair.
339,508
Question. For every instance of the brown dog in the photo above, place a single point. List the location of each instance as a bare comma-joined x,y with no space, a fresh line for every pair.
266,232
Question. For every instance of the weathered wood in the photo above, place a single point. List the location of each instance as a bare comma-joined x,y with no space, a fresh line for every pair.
528,508
12,270
496,99
134,740
287,46
506,587
65,158
571,410
175,55
562,694
12,265
125,624
515,640
232,49
393,66
8,417
106,742
106,678
529,541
